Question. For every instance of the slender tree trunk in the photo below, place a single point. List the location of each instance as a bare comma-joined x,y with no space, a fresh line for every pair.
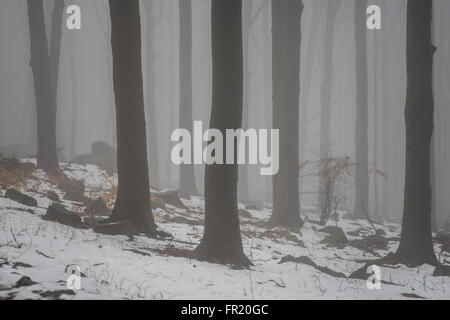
133,195
44,87
73,78
55,44
286,35
306,83
361,122
416,246
188,187
386,128
243,185
327,79
375,130
152,133
222,237
325,113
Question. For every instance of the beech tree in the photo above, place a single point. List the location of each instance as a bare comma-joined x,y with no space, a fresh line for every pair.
149,96
188,186
133,193
361,120
416,246
286,35
221,240
45,66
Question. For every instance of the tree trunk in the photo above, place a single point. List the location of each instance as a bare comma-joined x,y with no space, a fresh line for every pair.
325,112
222,237
386,128
361,121
133,194
243,185
152,133
306,84
416,245
286,37
375,130
44,85
188,187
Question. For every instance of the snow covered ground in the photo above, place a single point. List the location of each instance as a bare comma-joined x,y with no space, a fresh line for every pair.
115,267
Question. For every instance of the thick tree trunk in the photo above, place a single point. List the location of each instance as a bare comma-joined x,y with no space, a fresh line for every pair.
188,186
361,121
44,85
416,245
133,195
222,237
286,35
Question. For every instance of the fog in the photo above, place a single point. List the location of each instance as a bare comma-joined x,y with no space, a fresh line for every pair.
85,99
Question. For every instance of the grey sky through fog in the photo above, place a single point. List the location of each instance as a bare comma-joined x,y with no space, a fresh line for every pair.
86,111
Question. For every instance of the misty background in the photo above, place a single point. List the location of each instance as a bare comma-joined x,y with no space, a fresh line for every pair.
86,111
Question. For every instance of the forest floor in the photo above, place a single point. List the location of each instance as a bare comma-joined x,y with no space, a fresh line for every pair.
313,263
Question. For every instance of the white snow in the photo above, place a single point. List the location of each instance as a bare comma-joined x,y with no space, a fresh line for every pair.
113,272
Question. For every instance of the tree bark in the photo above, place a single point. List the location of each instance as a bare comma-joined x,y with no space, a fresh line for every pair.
361,121
188,186
286,35
222,237
44,80
152,133
133,194
416,245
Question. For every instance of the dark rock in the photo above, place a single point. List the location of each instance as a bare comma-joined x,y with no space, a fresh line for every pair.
336,237
57,212
102,155
441,271
73,189
116,228
93,221
56,294
52,195
370,242
245,214
19,264
25,282
20,197
171,197
183,220
98,208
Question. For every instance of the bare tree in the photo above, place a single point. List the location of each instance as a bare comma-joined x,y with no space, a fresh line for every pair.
416,246
286,34
188,186
361,120
222,237
152,133
45,77
133,194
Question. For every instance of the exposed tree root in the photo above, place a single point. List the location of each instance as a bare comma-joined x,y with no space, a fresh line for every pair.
309,262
